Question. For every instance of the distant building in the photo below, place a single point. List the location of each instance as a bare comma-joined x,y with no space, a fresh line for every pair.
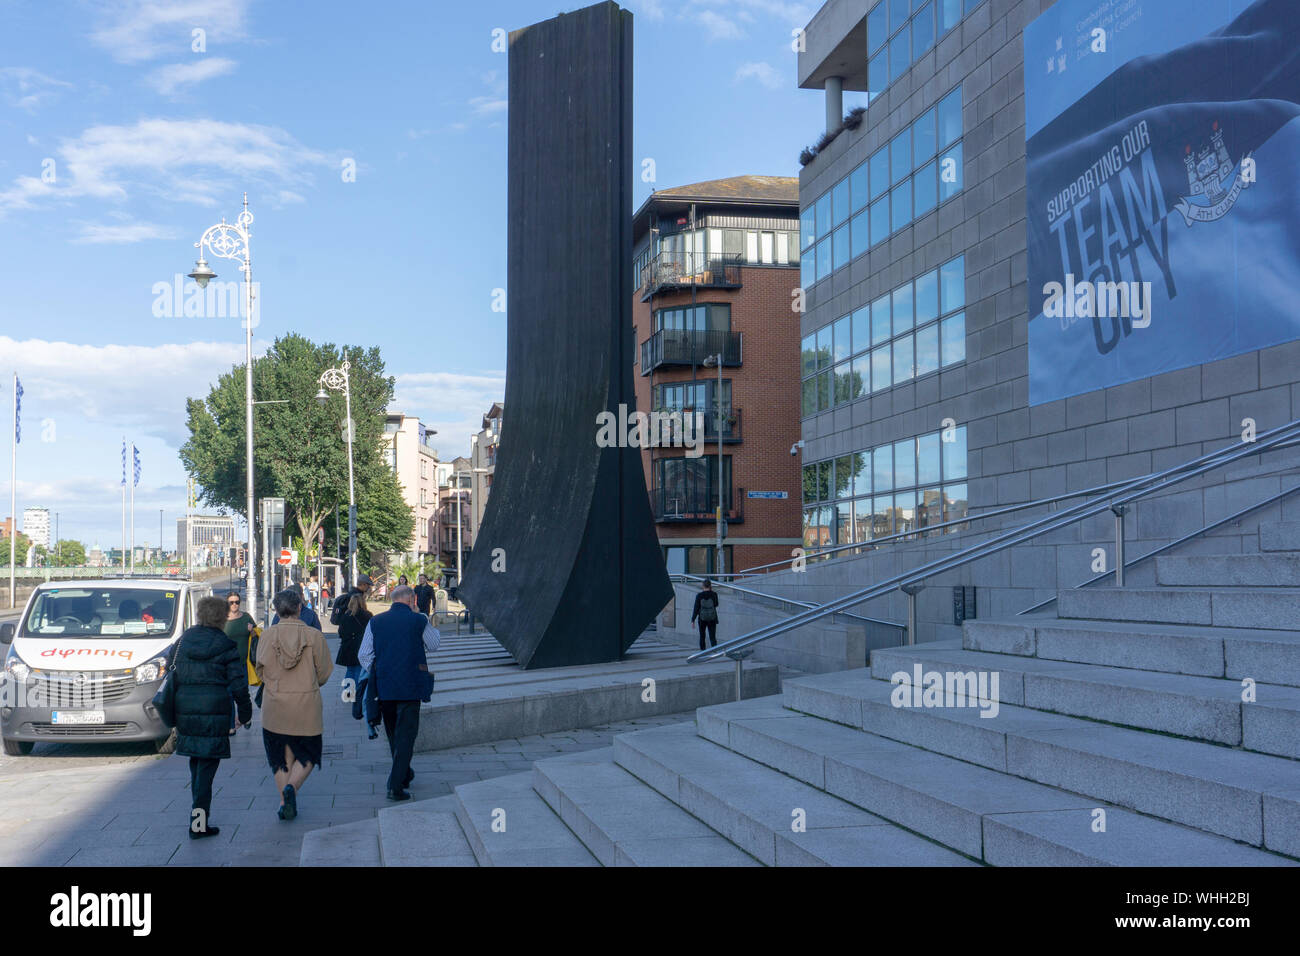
412,457
483,460
209,538
95,557
452,526
36,525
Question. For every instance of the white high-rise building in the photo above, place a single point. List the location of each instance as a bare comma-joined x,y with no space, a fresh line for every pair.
36,525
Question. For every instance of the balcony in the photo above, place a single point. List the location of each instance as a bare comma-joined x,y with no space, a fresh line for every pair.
689,347
671,271
685,505
730,423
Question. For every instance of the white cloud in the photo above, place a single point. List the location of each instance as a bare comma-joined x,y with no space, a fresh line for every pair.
138,387
26,89
199,161
133,31
451,402
764,73
98,232
719,26
168,80
650,9
486,105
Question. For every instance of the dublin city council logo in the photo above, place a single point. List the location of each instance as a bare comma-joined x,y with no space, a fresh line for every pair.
1213,179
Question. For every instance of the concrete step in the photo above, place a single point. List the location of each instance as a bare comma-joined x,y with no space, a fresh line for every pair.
1216,789
508,824
1271,656
1229,570
424,833
348,844
622,821
969,808
1280,536
1198,707
760,809
1269,608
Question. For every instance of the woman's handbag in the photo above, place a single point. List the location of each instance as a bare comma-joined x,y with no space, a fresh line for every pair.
164,701
251,661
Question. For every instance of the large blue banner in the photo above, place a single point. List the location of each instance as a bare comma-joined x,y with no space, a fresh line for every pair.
1163,200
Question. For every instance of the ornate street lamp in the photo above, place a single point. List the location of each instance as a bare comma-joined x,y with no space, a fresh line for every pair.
336,379
231,241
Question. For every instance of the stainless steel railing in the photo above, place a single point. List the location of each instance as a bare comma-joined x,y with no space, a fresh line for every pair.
913,581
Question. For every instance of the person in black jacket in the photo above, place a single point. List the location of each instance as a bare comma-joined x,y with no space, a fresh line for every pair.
352,627
208,673
706,610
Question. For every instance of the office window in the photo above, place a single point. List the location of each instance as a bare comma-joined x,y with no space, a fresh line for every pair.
925,193
900,54
900,156
783,248
950,173
807,227
880,220
949,118
840,202
923,137
860,234
922,30
879,164
858,191
900,201
842,250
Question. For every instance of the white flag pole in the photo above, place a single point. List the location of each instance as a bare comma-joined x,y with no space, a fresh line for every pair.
13,496
133,507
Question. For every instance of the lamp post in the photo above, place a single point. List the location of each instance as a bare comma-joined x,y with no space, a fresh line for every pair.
337,379
717,402
231,241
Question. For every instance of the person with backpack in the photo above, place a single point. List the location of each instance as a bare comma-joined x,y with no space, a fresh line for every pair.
706,610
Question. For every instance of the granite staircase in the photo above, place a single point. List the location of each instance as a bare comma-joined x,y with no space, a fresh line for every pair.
1143,726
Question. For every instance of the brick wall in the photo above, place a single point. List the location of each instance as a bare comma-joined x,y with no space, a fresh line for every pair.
765,388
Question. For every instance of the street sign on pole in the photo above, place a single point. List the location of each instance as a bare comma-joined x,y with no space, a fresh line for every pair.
286,557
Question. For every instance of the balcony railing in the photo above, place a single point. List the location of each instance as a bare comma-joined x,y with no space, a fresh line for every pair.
730,422
696,504
676,270
689,347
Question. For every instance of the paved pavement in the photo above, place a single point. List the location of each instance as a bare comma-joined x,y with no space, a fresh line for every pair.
122,805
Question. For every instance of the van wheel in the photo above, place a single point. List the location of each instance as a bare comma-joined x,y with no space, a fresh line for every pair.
165,745
18,748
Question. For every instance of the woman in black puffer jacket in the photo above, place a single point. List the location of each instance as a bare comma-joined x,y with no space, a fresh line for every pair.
209,672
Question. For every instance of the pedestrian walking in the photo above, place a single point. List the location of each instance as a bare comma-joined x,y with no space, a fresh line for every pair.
424,595
208,673
293,663
352,628
393,650
239,627
362,587
706,610
305,612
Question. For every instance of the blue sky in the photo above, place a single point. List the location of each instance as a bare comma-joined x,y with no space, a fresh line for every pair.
120,143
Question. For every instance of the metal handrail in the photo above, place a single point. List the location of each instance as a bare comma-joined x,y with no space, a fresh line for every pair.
1172,544
915,532
778,597
911,582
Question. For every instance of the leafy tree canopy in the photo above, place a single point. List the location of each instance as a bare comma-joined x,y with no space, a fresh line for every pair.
300,452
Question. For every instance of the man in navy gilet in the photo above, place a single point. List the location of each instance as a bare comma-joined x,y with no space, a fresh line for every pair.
393,651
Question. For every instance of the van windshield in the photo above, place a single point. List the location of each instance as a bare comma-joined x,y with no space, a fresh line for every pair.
114,612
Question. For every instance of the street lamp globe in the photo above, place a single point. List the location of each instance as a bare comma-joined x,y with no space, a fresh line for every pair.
321,396
202,273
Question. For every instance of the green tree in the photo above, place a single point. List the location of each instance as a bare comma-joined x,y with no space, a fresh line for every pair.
385,522
69,554
20,550
299,449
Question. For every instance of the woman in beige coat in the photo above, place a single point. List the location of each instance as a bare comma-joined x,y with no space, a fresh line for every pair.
293,663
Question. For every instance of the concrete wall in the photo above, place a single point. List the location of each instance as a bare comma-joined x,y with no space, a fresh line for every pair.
818,648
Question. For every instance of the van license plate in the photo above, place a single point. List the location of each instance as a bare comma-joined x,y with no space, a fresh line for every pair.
77,717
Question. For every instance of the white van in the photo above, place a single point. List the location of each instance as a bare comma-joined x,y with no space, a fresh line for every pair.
86,658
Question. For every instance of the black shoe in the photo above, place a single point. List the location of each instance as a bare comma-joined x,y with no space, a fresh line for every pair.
398,795
290,808
206,832
410,775
374,732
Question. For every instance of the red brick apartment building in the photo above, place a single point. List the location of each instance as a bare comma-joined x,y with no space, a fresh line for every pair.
715,266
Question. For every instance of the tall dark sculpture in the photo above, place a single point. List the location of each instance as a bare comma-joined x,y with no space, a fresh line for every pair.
566,568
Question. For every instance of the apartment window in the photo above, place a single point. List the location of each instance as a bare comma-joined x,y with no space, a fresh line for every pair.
906,178
696,559
710,315
894,488
899,32
916,329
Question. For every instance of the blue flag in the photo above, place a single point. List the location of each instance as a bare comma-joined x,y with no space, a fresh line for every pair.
135,454
1162,195
123,462
18,411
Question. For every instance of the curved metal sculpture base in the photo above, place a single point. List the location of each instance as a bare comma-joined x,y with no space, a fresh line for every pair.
566,568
